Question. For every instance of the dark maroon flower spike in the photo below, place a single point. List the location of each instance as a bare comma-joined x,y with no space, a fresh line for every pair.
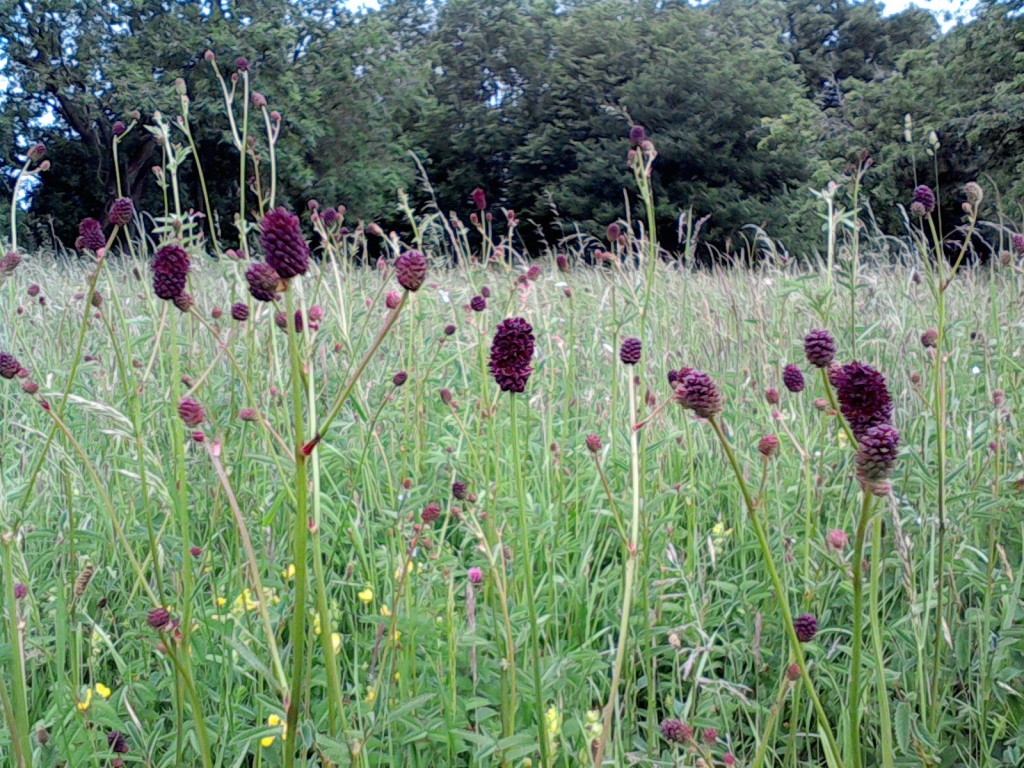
511,354
411,270
793,378
864,398
629,352
263,281
806,627
121,212
697,392
90,235
170,271
819,347
285,248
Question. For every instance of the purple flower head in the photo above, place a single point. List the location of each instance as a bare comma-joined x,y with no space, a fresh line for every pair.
793,378
242,64
806,627
117,743
411,270
158,618
240,311
511,353
1018,244
459,490
479,198
877,452
637,136
9,365
191,412
629,352
121,212
399,378
925,198
864,397
90,231
282,241
675,730
819,347
475,575
562,262
697,392
170,270
263,281
118,128
478,303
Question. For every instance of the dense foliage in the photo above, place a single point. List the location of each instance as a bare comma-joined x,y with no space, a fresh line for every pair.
751,103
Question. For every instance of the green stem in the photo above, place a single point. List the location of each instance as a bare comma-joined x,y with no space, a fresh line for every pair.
527,570
853,706
780,592
300,536
881,689
20,738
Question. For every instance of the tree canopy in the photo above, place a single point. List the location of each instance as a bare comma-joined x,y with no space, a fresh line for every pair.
749,103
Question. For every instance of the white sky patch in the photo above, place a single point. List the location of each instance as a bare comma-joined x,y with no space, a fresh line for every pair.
948,12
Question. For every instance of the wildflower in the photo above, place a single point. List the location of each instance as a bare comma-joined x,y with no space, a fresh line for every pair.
478,303
84,704
9,263
258,100
446,396
819,347
275,721
728,760
170,270
924,198
533,273
393,299
336,642
121,212
117,743
102,691
9,365
837,539
118,128
877,452
637,136
20,590
709,736
281,239
430,513
399,378
697,392
90,232
485,291
793,378
771,396
974,192
629,352
475,575
385,611
411,270
366,595
242,64
806,626
191,412
183,301
562,263
675,730
930,338
768,446
240,311
289,572
449,330
511,352
1018,244
793,672
719,533
36,152
863,397
281,321
479,198
263,281
158,619
371,695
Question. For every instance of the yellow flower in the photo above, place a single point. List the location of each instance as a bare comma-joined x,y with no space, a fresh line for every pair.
102,690
397,636
221,602
366,596
719,533
317,629
371,695
385,611
398,677
554,721
289,572
274,721
83,706
336,641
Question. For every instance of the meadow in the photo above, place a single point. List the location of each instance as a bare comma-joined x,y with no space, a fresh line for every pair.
457,506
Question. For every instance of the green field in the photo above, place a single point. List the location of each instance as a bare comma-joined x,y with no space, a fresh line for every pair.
111,507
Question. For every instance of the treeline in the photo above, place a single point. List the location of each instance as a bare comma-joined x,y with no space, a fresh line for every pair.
750,103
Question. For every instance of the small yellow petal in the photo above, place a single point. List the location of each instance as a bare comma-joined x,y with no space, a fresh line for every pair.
266,741
366,595
336,642
385,611
102,690
371,696
273,720
221,602
289,572
84,705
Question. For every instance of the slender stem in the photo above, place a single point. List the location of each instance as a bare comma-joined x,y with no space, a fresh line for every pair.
881,690
780,592
627,590
527,569
853,707
19,738
300,535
